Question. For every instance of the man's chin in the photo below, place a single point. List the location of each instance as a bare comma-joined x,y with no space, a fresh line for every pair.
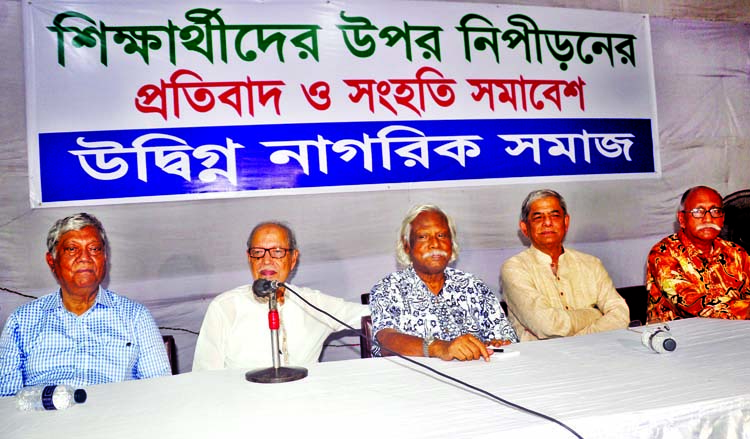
277,277
705,237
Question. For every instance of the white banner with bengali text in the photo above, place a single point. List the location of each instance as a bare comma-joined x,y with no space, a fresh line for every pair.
155,101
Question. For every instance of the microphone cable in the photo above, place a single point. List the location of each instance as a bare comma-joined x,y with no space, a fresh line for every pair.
437,372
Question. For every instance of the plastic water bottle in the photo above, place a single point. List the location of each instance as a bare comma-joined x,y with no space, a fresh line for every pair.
57,397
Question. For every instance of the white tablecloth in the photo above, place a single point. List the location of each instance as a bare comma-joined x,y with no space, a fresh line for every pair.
602,385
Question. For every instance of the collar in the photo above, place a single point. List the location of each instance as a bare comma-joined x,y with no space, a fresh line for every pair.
103,297
447,272
412,276
543,258
693,251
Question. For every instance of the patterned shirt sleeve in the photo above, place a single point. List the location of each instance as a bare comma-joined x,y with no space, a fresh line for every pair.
11,376
152,360
386,306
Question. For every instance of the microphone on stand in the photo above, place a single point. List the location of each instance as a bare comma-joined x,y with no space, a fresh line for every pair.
263,288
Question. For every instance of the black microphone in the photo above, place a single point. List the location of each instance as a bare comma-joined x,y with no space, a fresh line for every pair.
263,288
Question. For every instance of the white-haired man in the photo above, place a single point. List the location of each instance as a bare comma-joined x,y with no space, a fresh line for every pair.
432,310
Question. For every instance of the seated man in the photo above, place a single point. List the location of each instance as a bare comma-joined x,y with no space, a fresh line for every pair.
430,309
82,334
694,273
554,291
235,330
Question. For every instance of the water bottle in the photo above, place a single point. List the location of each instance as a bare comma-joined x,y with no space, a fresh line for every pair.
57,397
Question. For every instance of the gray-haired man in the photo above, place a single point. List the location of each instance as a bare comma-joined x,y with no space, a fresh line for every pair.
554,291
81,334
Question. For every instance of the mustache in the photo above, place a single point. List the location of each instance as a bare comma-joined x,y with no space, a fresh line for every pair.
708,226
432,253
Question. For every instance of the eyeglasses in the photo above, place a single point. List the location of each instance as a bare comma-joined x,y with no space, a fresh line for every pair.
699,212
259,252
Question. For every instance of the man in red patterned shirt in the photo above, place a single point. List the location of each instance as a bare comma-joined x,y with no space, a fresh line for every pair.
694,273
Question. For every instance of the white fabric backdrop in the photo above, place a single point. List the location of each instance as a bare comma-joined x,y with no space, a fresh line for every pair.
174,257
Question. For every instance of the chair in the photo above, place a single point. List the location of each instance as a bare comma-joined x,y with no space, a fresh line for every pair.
365,344
171,347
636,297
737,218
504,306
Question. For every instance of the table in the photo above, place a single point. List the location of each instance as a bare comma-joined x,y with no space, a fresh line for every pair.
605,385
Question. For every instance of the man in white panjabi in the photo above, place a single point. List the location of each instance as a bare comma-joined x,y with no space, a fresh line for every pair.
235,331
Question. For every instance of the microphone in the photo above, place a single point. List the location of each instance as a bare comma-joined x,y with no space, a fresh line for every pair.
263,288
659,340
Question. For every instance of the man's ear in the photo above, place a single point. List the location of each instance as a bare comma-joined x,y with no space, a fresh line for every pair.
681,219
524,228
295,255
50,261
405,245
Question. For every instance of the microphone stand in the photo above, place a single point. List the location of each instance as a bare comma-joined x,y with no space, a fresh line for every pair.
277,373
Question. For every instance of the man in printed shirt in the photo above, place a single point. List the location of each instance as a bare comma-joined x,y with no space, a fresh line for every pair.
555,291
430,309
694,273
82,334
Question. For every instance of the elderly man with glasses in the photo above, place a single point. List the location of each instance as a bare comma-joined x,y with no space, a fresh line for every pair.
235,330
694,273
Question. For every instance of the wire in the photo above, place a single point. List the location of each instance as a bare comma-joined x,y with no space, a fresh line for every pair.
444,375
178,329
17,293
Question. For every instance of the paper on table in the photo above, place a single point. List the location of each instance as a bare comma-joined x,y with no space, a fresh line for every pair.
505,354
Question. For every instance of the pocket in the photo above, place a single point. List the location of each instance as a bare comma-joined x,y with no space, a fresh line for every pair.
119,356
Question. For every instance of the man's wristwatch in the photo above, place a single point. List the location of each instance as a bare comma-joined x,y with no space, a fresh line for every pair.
426,345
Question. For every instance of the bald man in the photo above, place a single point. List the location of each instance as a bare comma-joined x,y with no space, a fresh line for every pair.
235,330
694,273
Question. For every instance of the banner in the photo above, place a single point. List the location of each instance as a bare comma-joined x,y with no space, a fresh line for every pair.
181,100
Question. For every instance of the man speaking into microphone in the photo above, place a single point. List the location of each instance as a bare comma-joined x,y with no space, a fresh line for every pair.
235,332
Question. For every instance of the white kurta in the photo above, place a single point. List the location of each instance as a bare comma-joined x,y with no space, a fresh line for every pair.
235,331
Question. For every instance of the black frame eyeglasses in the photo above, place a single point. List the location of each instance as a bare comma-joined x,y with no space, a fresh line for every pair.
700,212
260,252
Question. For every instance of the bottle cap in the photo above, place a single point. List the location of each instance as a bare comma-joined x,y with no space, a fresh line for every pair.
670,344
79,396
